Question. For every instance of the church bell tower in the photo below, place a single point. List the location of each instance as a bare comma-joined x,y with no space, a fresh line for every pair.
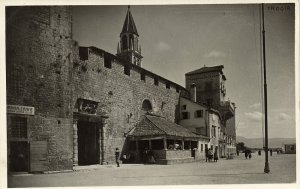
128,47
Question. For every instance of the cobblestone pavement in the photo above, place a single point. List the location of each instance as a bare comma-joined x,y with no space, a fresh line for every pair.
234,171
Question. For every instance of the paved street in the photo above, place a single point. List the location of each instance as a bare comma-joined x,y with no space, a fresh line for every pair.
236,171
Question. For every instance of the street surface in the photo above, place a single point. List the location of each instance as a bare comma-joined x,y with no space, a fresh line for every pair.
234,171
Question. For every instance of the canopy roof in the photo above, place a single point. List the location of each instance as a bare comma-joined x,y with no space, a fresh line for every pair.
151,125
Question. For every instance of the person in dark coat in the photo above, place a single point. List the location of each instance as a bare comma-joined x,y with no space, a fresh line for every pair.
246,154
271,152
259,152
117,155
206,154
249,154
216,156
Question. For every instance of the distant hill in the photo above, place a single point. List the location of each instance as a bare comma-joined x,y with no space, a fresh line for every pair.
258,142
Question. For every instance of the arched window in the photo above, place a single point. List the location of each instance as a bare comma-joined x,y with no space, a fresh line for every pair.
131,41
124,43
146,105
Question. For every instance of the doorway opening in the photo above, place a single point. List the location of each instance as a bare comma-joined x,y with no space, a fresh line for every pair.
88,143
19,156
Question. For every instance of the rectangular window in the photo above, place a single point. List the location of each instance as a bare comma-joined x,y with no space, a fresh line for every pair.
83,53
19,127
143,77
155,81
201,147
168,85
126,70
107,61
198,113
213,131
185,115
184,107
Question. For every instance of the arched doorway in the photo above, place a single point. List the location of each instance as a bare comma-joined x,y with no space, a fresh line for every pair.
146,106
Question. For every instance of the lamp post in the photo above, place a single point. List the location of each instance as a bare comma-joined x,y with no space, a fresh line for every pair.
266,169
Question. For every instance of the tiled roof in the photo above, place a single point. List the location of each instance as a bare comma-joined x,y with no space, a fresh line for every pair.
206,69
129,25
155,125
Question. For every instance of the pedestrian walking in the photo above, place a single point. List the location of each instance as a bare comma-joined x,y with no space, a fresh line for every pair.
237,152
271,152
145,155
216,156
259,152
117,155
250,155
246,154
210,155
206,154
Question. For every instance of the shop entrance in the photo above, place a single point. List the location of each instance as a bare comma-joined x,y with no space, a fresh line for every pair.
19,156
88,143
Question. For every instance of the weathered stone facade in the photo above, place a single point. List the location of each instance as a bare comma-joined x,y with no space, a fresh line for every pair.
121,96
38,51
208,86
47,70
83,100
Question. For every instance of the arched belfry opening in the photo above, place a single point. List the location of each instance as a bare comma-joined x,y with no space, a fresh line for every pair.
124,43
128,47
146,106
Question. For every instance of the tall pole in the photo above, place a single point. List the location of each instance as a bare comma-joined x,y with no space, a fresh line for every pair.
267,169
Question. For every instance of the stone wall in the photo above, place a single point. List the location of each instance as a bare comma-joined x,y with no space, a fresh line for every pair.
202,93
120,96
38,52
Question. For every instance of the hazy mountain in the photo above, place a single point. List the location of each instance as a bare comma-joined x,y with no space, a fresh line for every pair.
258,142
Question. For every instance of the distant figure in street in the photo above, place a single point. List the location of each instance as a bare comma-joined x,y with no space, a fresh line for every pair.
246,154
259,152
117,155
277,152
216,156
206,154
237,152
210,155
271,152
249,154
145,155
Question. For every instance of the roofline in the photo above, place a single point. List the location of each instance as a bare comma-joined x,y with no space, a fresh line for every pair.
155,124
205,106
222,67
135,66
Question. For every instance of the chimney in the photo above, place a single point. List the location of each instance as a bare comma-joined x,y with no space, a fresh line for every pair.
194,92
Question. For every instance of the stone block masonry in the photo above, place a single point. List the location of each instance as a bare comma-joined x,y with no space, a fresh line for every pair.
38,49
120,96
46,70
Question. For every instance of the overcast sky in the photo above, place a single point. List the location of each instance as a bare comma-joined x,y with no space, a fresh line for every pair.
180,38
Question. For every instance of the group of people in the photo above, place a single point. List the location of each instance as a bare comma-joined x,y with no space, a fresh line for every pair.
148,156
210,155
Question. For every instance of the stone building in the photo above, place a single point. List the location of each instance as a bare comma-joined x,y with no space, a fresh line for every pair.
203,121
69,105
207,85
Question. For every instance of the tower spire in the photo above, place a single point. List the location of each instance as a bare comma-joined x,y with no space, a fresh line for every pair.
129,41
